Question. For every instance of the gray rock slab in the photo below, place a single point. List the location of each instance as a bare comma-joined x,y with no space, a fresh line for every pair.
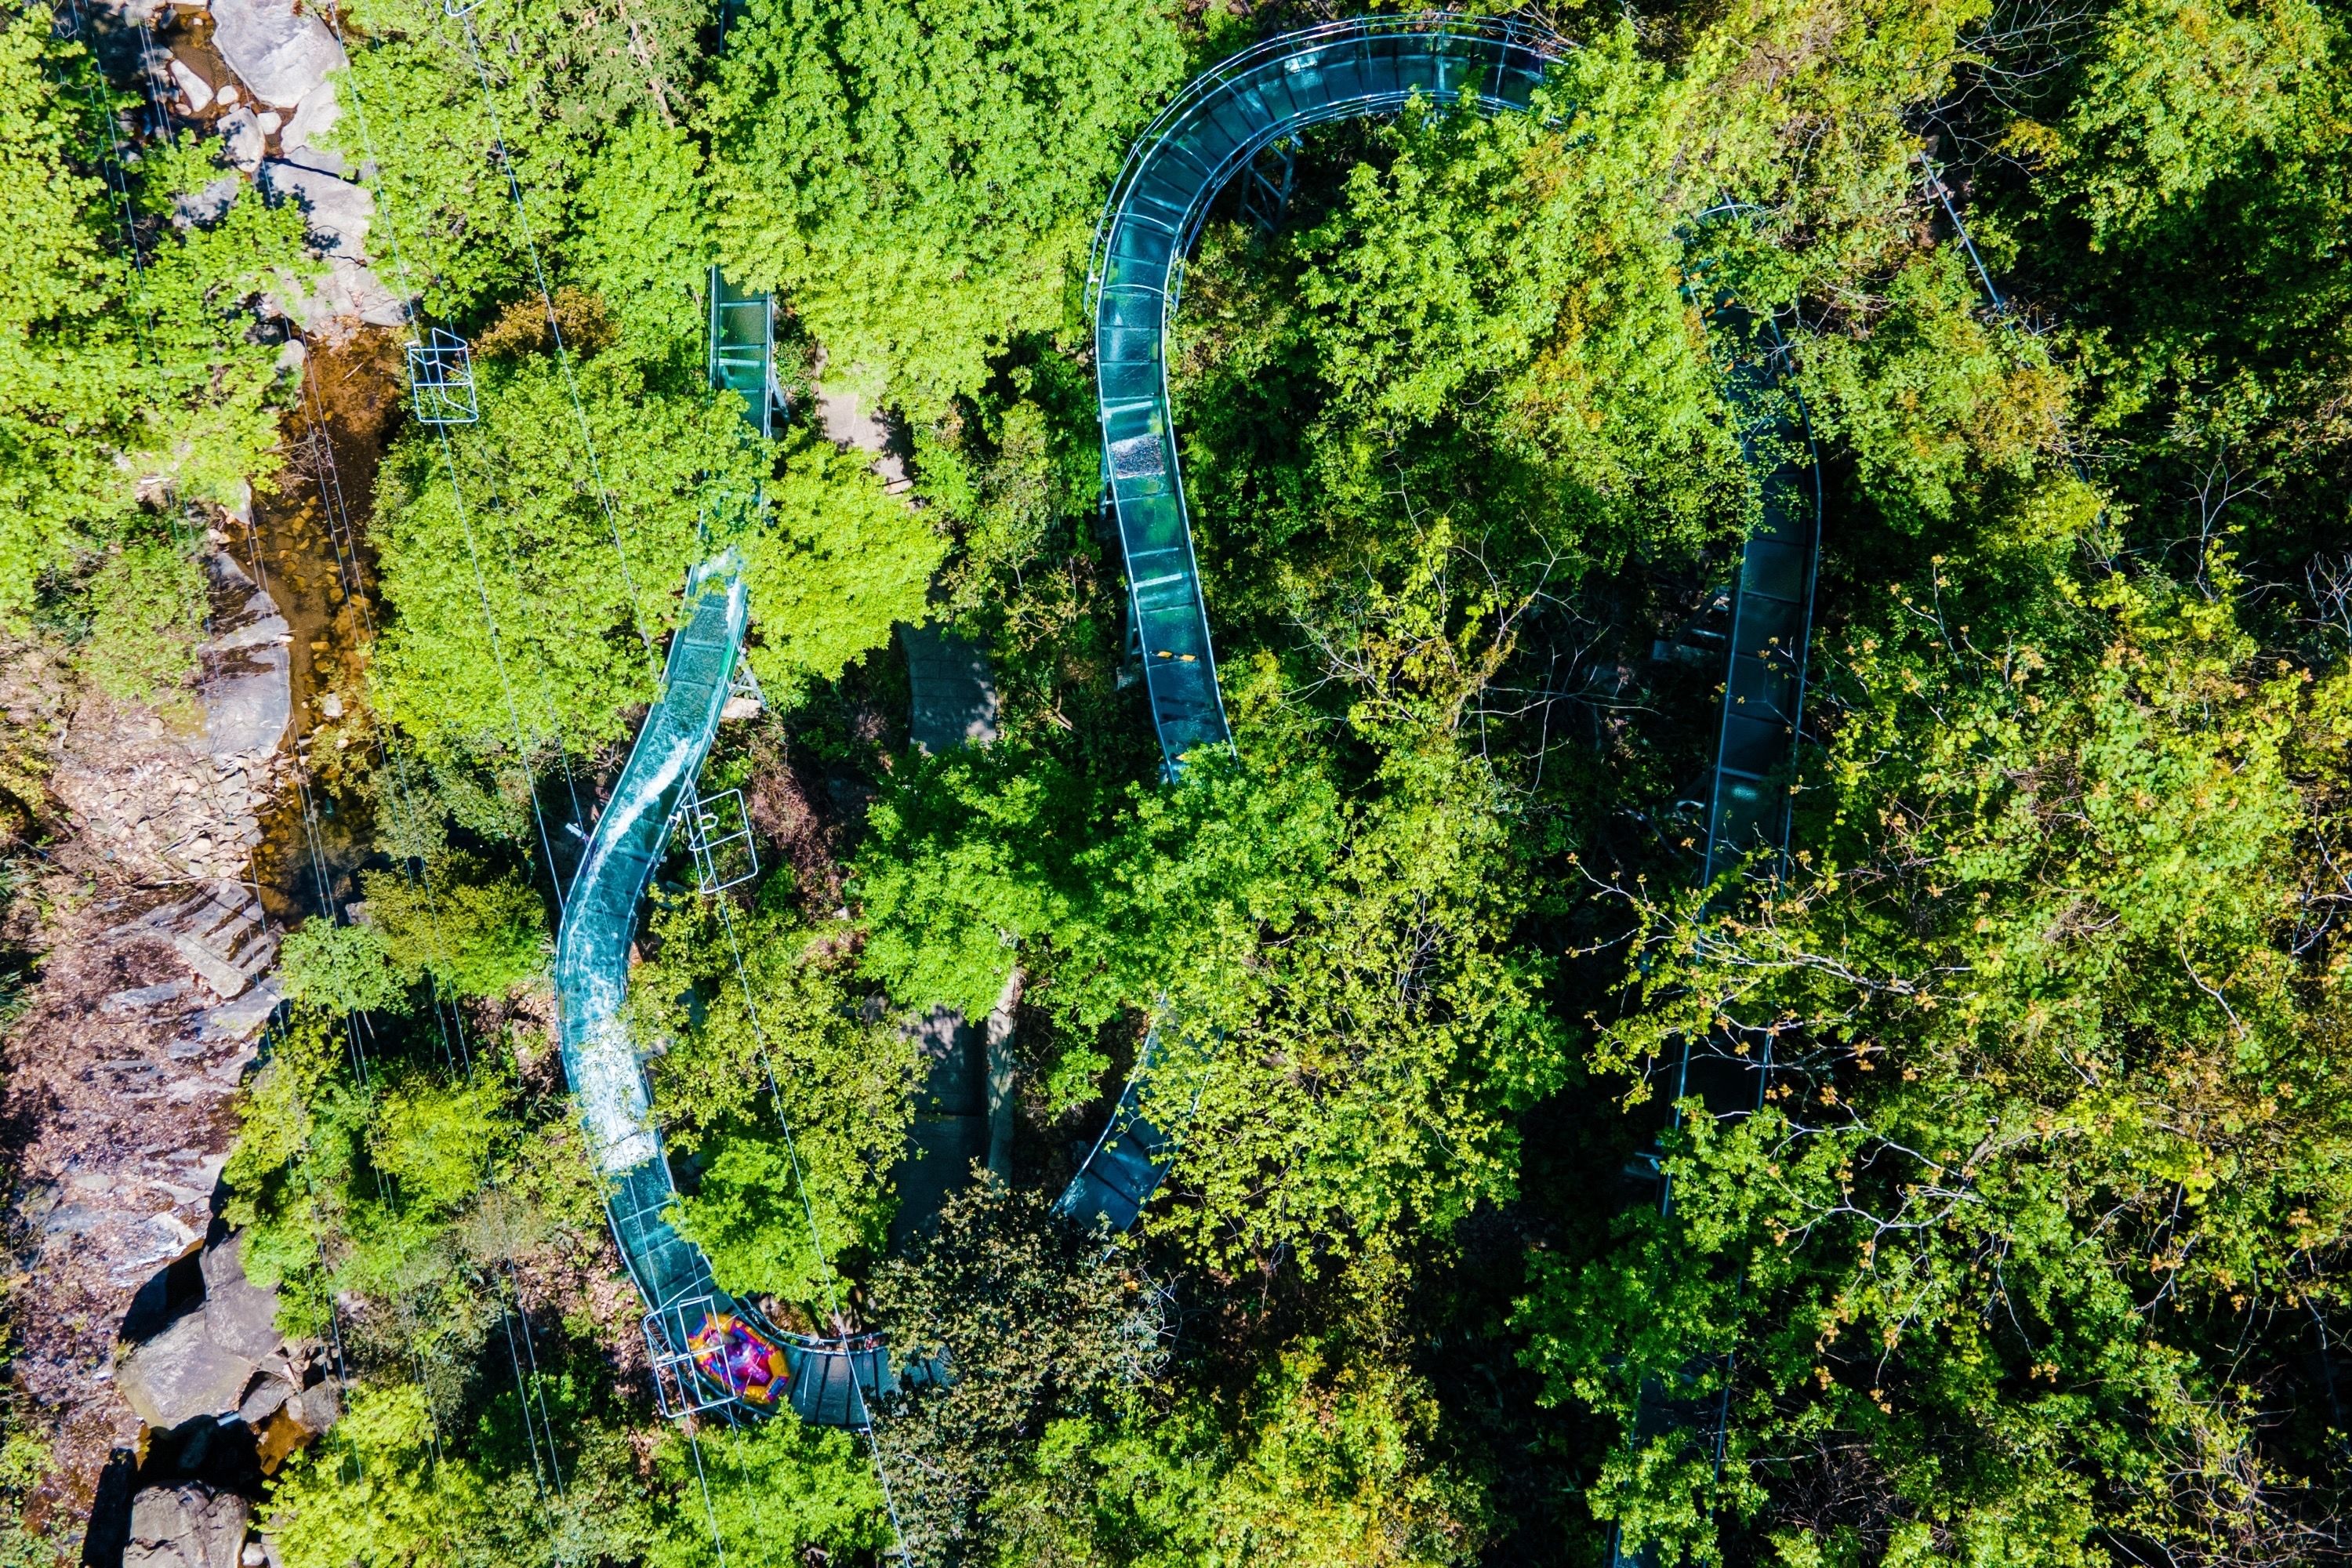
280,55
240,128
317,115
248,686
79,1219
241,1317
140,998
321,162
262,1401
260,632
183,1373
224,979
249,711
338,212
953,691
148,1243
236,1020
189,1525
317,1409
218,920
199,92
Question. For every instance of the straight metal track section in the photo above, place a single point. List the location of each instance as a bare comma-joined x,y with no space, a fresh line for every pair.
742,357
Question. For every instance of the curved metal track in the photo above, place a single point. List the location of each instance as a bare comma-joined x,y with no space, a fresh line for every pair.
1341,71
1198,144
707,1348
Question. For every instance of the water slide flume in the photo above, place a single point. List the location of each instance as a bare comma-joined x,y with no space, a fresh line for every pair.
708,1349
711,1350
1196,146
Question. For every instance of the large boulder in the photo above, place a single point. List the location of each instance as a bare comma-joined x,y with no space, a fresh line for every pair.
248,692
240,1315
189,1525
317,115
279,54
205,1363
338,212
242,134
183,1373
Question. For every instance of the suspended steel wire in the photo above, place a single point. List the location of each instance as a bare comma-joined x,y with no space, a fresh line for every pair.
464,18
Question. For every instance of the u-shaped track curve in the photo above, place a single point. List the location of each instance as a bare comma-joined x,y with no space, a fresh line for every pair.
1207,136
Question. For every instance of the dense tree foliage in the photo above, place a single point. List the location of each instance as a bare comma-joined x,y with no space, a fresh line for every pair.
131,385
2032,1250
921,178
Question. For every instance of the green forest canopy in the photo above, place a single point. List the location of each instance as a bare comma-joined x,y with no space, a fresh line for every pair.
2036,1252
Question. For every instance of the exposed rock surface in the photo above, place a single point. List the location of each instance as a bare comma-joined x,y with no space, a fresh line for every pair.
240,1315
241,129
287,58
190,1525
953,689
163,804
226,1359
338,212
183,1373
351,292
249,696
160,804
121,1074
279,53
318,113
216,932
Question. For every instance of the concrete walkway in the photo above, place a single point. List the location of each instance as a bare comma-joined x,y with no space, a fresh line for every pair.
953,691
963,1113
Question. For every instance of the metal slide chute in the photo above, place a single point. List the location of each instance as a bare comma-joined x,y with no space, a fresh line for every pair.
708,1349
1212,133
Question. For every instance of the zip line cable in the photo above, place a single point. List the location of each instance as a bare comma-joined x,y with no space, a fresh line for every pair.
1943,194
409,293
526,1396
464,18
328,480
113,160
313,835
448,454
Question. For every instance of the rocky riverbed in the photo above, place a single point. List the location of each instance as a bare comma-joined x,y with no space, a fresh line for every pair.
177,852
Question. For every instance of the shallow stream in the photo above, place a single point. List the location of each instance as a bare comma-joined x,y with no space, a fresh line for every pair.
306,545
